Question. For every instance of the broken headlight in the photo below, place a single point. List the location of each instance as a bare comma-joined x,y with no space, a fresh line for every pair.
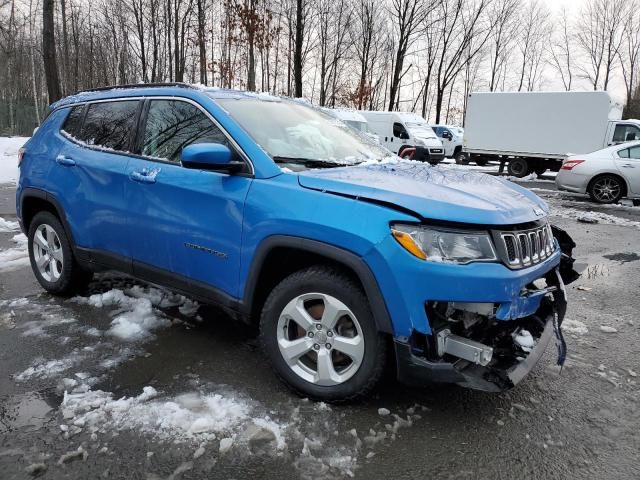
444,245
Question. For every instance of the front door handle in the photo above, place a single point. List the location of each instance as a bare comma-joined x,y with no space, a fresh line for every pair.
66,161
143,177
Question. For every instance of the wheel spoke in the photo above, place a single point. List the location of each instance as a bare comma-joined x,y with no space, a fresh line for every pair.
352,347
326,374
334,309
56,271
42,262
57,254
39,239
292,350
296,312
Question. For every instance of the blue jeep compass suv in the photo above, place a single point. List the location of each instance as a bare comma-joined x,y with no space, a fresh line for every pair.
347,258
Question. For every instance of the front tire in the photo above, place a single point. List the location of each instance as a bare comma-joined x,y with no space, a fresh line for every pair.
461,158
51,256
319,334
606,189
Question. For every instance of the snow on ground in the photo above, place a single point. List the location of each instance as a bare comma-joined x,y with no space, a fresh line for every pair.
575,327
138,315
590,217
8,226
15,258
9,147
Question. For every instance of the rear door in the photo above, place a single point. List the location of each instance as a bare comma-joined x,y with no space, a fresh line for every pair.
186,223
628,162
93,164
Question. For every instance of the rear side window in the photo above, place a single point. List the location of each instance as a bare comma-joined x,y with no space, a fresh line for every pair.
172,125
73,123
634,152
110,124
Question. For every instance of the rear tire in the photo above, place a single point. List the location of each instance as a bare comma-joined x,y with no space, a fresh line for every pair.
51,256
606,189
339,354
518,167
539,170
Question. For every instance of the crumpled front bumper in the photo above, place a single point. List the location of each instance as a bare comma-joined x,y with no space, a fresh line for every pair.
418,370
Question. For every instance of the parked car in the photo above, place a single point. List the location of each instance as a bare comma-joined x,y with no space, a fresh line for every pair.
536,131
399,131
353,119
268,209
606,175
451,138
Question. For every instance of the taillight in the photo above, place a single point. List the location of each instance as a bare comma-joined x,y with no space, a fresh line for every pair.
20,155
571,164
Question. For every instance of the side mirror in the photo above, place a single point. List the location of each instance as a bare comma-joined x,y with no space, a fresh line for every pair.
209,156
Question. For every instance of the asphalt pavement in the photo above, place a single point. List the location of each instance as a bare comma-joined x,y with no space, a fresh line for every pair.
578,422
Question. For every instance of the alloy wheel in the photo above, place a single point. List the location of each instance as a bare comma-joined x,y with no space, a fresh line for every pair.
320,339
47,252
606,189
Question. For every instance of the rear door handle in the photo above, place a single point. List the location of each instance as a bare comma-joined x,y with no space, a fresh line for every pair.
143,177
66,161
628,165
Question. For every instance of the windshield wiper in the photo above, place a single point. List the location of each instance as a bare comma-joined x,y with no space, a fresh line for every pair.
308,162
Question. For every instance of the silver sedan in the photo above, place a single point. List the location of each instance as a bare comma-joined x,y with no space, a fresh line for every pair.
606,175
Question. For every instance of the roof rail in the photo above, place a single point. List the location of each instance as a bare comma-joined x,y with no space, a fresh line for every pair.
139,85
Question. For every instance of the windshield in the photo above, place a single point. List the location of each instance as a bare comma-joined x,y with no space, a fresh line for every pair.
422,130
360,126
297,134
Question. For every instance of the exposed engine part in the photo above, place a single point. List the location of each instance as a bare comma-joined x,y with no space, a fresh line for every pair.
464,348
486,309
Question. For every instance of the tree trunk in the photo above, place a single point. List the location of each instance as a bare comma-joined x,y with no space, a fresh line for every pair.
297,53
49,51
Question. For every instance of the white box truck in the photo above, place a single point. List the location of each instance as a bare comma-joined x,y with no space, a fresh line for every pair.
399,131
536,131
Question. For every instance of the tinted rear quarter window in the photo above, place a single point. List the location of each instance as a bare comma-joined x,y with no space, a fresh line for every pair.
73,123
110,124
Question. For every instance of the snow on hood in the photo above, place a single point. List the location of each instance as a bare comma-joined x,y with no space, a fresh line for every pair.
437,193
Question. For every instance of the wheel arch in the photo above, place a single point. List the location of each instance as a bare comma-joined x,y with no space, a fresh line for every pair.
296,253
33,200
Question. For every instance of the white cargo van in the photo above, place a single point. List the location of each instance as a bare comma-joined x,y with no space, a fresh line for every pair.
451,138
536,131
353,119
398,131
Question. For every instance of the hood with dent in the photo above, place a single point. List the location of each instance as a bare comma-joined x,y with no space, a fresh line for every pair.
437,193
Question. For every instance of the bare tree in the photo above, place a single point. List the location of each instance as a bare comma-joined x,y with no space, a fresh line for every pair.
561,51
503,34
599,37
534,37
49,51
630,56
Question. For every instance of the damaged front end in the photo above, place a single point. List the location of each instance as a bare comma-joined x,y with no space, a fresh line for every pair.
491,346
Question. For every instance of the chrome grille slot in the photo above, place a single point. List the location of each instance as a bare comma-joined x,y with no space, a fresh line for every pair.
523,248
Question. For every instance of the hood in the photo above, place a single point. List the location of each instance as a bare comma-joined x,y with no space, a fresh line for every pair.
437,193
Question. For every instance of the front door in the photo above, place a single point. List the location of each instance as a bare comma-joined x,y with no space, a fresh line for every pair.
186,223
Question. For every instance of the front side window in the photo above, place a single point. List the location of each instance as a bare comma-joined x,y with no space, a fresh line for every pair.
399,131
295,133
626,133
172,125
110,125
73,123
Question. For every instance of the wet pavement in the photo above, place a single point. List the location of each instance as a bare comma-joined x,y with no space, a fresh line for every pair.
581,422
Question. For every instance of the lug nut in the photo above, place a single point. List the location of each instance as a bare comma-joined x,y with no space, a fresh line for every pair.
310,334
318,326
328,345
329,333
316,346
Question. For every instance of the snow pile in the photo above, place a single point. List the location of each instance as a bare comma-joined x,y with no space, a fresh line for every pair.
44,369
9,147
575,327
592,217
524,340
138,316
193,416
8,226
532,177
15,258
